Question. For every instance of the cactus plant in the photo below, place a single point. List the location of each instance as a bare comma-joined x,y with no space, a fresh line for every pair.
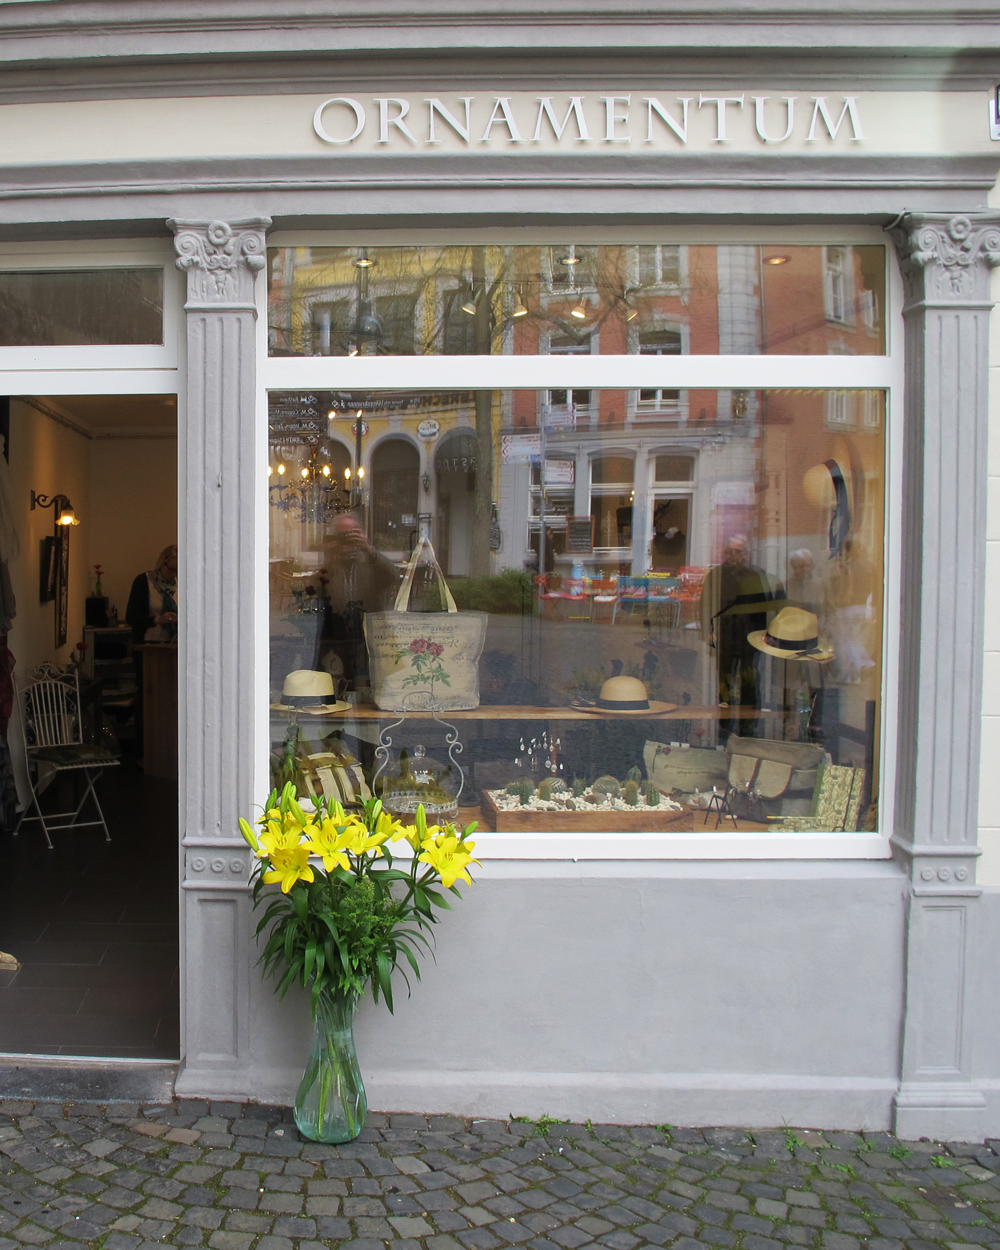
634,774
631,793
579,786
526,792
607,785
545,791
513,788
652,795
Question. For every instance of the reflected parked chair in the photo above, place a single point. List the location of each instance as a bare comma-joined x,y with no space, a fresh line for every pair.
53,740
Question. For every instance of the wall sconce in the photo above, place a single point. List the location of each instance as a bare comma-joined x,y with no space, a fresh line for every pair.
64,514
54,573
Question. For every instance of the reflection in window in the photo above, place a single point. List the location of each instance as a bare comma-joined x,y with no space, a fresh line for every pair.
81,307
667,616
614,299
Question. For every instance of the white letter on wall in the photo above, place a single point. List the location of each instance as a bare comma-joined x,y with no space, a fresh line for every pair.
501,106
385,121
359,119
575,108
720,102
438,109
680,128
614,118
759,102
850,110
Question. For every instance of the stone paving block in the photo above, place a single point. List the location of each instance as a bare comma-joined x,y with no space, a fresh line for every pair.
223,1239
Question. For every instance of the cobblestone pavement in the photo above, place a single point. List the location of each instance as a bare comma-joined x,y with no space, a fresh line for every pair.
234,1177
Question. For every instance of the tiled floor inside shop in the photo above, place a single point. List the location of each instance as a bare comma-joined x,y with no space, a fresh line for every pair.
95,928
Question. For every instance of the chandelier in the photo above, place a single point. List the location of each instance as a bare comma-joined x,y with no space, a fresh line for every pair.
311,494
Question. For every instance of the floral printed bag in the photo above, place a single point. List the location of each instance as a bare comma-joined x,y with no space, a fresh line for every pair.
425,659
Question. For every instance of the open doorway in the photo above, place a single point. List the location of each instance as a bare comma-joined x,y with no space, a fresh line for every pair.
91,922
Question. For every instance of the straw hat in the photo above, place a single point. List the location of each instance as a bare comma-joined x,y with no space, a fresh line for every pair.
626,696
792,635
309,690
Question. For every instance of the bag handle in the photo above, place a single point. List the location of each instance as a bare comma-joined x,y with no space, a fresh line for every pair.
403,594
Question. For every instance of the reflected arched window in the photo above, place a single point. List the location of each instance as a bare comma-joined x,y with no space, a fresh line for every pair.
394,494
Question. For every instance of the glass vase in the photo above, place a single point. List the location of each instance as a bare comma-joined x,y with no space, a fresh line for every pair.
330,1105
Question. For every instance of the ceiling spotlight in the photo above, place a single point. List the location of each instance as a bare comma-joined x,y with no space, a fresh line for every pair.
331,414
580,311
364,261
353,351
520,309
776,260
631,313
569,260
470,304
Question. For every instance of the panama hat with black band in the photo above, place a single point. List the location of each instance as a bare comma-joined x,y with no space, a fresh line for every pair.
792,635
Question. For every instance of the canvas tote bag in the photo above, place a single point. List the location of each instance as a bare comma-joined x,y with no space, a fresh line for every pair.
425,659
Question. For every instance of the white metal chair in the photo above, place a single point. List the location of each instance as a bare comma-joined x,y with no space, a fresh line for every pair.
53,741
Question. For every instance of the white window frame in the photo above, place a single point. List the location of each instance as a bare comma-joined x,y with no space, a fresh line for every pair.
132,366
633,372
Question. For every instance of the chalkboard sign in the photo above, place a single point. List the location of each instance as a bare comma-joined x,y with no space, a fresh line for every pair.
579,535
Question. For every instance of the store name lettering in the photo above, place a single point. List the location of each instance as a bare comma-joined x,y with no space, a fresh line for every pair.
607,119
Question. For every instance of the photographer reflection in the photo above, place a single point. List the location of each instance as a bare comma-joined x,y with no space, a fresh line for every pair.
736,599
359,580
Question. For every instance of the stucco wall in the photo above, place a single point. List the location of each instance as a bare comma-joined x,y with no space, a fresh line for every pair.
693,993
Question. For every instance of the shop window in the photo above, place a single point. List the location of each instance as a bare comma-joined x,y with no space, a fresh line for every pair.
81,307
611,300
743,610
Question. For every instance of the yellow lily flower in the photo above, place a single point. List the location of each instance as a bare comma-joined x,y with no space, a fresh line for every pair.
450,858
388,829
327,841
289,866
359,841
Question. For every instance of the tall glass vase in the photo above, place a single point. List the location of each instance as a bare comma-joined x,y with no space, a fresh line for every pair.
331,1105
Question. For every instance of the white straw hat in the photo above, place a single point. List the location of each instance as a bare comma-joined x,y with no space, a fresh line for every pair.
626,696
792,635
311,691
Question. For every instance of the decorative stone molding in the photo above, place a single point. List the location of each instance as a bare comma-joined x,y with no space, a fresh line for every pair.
221,260
947,259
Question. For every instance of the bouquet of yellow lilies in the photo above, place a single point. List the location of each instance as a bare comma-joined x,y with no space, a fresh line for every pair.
350,922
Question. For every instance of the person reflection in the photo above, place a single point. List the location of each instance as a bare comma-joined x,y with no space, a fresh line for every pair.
152,616
804,588
360,580
735,601
852,613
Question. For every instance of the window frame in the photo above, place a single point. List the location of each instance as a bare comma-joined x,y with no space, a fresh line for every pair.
631,373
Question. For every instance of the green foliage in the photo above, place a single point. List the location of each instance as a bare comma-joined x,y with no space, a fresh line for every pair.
652,795
941,1161
542,1125
899,1152
631,793
508,593
791,1141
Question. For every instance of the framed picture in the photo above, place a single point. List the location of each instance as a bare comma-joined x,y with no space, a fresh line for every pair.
62,587
47,571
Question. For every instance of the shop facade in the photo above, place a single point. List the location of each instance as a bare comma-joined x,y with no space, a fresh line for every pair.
596,332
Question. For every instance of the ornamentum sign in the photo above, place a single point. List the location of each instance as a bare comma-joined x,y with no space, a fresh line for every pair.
629,119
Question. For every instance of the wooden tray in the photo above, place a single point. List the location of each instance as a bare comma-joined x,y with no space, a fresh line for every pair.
642,820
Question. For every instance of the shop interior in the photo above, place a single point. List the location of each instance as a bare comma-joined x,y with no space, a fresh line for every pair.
88,925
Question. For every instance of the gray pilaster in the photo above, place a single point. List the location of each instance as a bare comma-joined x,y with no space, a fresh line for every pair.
219,551
945,261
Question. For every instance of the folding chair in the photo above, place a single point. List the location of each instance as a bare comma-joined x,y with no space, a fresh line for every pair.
53,742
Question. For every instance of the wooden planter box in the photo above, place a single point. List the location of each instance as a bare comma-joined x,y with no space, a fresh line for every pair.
640,820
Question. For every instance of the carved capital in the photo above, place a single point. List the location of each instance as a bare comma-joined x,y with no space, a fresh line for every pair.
221,259
947,259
